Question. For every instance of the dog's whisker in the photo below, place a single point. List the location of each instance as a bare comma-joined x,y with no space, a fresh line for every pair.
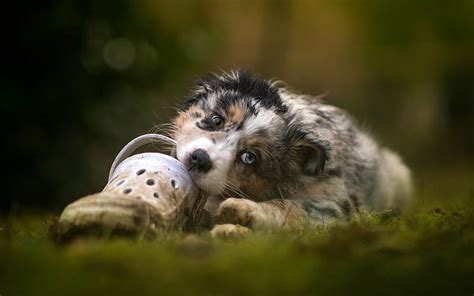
229,185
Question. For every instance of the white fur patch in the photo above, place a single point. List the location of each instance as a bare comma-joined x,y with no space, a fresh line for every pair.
264,120
221,153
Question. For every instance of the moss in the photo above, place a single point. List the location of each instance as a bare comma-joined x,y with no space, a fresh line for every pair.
428,250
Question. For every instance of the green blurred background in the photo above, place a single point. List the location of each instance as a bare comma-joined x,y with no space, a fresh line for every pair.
84,77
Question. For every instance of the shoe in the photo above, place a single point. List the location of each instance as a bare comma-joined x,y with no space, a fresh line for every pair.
147,194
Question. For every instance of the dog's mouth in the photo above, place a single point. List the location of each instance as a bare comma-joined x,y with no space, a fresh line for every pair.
193,170
208,182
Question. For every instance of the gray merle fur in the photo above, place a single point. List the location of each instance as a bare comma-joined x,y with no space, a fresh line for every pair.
320,160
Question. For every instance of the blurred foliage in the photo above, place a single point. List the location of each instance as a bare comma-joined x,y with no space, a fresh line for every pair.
82,88
84,77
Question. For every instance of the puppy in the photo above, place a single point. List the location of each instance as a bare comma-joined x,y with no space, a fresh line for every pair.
268,157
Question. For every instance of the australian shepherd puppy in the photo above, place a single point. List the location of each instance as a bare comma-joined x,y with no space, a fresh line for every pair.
267,157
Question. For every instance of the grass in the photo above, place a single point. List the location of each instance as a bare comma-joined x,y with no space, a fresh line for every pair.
427,251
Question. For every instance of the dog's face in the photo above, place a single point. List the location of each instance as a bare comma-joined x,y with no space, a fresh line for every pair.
235,137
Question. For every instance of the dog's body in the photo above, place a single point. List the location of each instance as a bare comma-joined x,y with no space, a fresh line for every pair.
271,158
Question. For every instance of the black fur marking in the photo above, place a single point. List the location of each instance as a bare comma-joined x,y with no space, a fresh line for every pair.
346,207
240,126
355,200
325,116
335,172
196,114
205,124
245,87
226,100
190,101
300,140
311,207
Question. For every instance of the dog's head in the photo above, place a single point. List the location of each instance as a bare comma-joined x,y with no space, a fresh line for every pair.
236,136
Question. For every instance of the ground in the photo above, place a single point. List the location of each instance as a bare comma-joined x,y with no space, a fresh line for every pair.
427,251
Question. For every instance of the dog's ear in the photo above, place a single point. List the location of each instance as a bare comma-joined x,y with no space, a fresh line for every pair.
310,154
199,92
311,157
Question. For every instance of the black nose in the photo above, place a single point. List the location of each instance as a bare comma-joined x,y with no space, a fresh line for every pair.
199,161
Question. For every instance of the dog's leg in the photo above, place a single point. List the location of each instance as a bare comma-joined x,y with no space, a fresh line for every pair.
281,213
323,204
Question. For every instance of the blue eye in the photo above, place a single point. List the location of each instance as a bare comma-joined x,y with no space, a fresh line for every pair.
248,158
217,120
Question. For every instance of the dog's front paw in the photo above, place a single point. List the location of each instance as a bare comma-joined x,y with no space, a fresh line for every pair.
229,231
240,211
